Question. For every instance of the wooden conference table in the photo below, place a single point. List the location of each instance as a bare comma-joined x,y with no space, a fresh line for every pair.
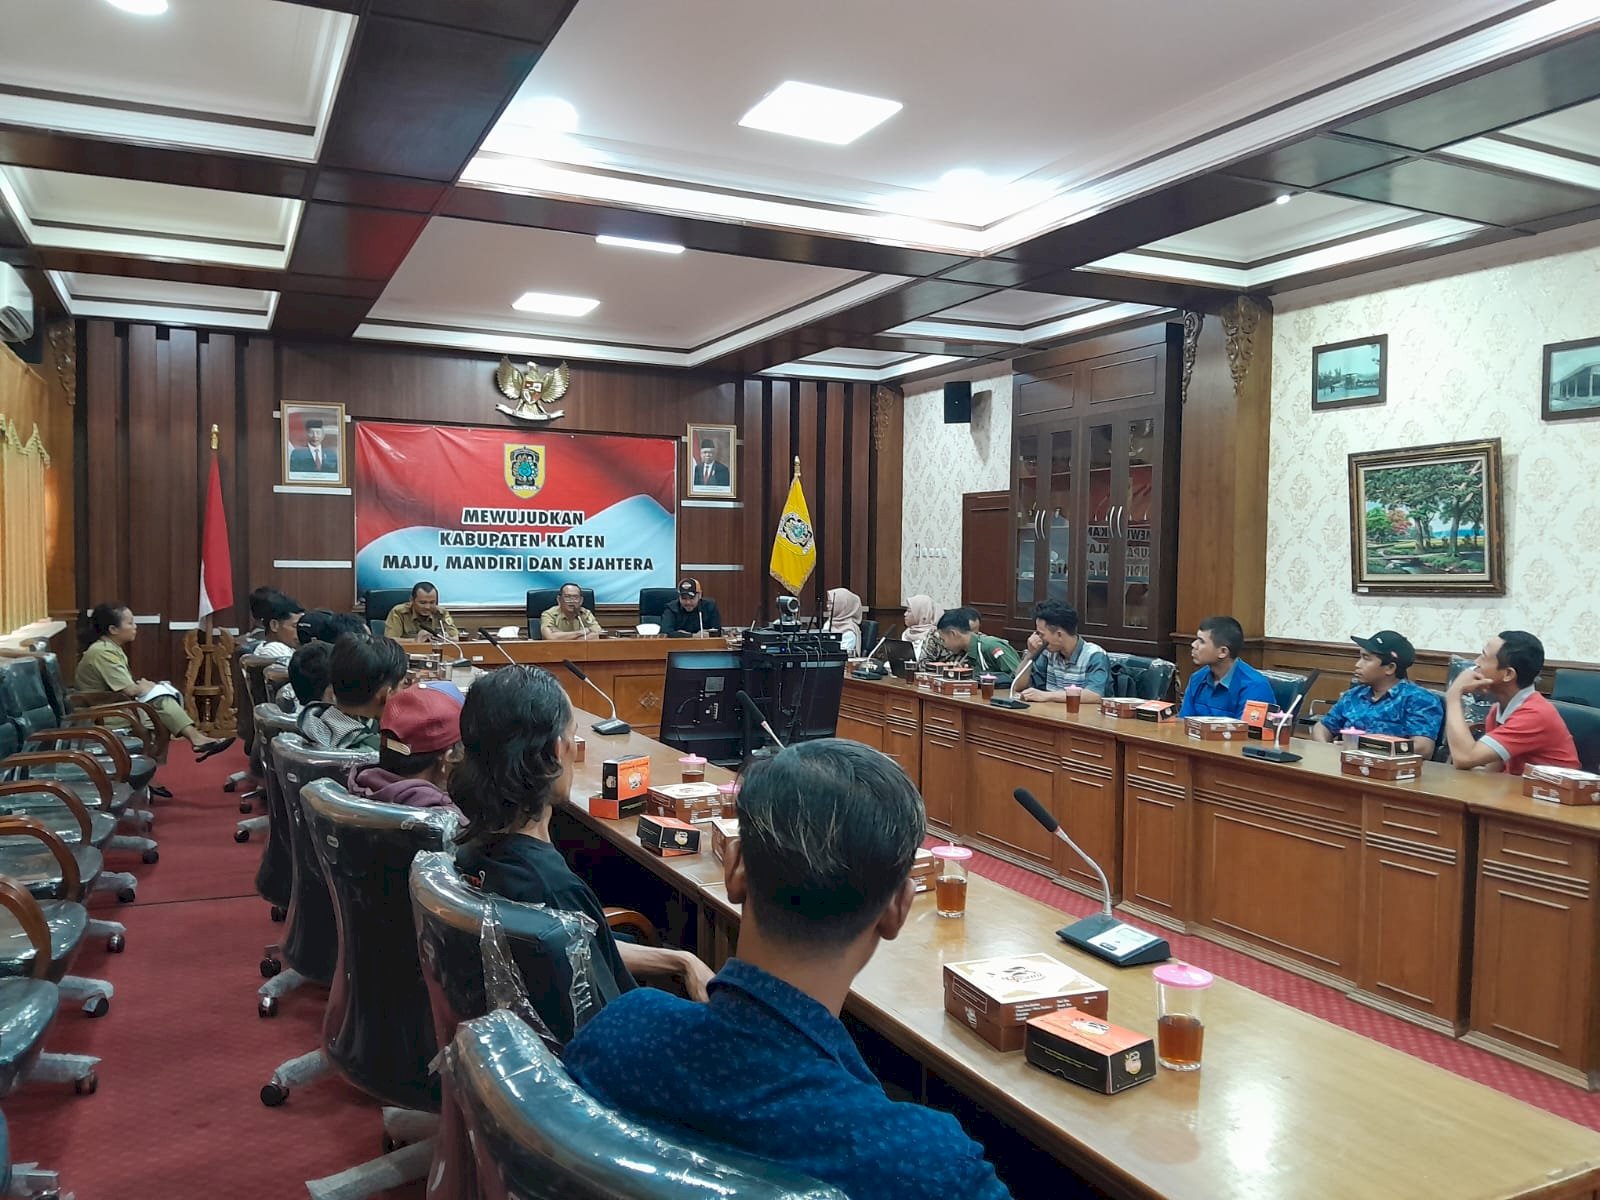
1285,1104
1451,900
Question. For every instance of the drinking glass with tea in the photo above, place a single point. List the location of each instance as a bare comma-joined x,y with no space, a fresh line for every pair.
950,880
1180,1024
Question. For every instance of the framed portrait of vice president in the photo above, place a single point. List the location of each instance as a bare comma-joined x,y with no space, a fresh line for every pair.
713,465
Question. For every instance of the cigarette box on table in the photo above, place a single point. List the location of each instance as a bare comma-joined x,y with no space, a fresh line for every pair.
668,836
954,685
1561,785
724,830
609,809
625,778
686,801
1383,743
1395,767
924,870
1089,1050
1119,707
1215,729
996,996
1156,710
581,747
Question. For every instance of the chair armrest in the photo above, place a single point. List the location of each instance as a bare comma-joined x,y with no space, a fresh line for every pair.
35,787
88,699
84,700
72,758
635,923
21,904
115,750
72,885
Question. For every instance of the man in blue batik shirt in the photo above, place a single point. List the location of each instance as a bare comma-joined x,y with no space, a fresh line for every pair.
1383,700
1222,684
827,834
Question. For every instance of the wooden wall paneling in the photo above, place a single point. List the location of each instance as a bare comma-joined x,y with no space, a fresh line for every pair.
1158,847
1089,807
190,462
943,763
1007,755
756,468
835,483
1222,490
218,403
716,535
144,513
985,565
805,421
1336,659
106,446
858,442
258,464
887,420
780,452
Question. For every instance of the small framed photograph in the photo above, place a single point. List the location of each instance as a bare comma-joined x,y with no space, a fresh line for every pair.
313,447
1350,374
1571,380
713,468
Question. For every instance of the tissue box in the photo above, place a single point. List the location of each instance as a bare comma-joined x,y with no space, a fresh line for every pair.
1561,785
1119,707
995,997
1396,767
625,778
1090,1051
723,831
668,836
579,747
1215,729
686,801
924,870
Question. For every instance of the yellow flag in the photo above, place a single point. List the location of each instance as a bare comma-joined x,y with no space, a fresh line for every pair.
794,546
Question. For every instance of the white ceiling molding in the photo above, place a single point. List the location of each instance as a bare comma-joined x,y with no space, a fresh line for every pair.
807,370
1082,322
1526,160
164,302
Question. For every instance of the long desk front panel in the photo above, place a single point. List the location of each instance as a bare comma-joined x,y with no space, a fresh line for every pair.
1286,1105
1452,900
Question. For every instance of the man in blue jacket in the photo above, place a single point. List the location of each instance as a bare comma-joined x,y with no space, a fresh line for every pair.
1222,683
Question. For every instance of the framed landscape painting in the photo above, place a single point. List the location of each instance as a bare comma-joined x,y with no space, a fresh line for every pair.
1571,380
1426,521
1349,374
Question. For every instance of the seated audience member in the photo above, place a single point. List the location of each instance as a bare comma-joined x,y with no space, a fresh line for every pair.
933,647
1382,699
321,625
421,617
1223,683
921,617
280,628
363,672
103,667
1523,728
567,620
844,613
827,833
308,674
421,729
260,605
986,655
1063,658
692,614
517,731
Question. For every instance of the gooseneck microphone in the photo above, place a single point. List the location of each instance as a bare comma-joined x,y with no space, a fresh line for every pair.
493,639
1101,935
757,718
604,728
1009,700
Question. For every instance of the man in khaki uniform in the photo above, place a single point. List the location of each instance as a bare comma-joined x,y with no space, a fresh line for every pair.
421,616
103,667
567,620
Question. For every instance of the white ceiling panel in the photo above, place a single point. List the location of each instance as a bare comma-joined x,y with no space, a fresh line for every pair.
871,359
163,301
1274,229
1017,308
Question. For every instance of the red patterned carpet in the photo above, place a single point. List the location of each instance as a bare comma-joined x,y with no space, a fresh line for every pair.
178,1114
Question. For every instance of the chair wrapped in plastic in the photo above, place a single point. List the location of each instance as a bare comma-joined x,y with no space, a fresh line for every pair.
275,875
27,1008
125,717
377,1030
252,674
538,1136
34,857
37,945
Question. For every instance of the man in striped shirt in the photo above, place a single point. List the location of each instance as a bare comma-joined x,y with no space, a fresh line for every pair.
1063,659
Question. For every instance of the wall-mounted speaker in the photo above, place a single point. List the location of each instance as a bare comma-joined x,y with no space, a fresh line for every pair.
958,402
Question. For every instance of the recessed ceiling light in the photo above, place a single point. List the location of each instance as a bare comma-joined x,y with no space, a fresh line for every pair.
554,305
822,114
1283,199
605,239
140,8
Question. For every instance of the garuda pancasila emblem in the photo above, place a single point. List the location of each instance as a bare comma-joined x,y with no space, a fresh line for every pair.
532,389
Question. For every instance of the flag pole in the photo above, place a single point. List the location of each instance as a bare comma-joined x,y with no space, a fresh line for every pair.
205,621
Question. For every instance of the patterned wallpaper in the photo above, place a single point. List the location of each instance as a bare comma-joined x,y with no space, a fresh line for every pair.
941,462
1464,362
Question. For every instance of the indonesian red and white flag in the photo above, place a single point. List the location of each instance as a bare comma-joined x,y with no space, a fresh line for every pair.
216,560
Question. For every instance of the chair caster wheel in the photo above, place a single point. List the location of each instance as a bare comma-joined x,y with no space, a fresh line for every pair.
88,1085
268,1007
96,1006
151,856
127,895
274,1094
390,1145
231,786
245,806
241,835
279,914
116,944
270,967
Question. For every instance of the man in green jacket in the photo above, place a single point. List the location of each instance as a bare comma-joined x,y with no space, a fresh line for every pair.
986,655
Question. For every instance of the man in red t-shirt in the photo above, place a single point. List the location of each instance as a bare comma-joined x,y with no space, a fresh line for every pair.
1523,728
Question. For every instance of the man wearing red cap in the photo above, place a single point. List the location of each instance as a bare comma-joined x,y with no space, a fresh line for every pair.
420,742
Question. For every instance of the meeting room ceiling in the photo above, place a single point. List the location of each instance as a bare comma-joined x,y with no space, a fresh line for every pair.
836,190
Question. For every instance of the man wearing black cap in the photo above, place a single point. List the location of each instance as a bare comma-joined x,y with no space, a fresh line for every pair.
1383,700
691,614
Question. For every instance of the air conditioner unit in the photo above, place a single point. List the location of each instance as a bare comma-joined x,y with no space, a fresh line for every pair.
16,306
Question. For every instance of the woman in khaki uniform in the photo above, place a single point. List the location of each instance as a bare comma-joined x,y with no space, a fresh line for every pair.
103,667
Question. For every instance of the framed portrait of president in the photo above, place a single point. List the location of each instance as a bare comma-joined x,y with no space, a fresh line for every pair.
713,467
312,452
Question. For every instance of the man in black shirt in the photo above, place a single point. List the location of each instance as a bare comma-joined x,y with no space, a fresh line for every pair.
691,614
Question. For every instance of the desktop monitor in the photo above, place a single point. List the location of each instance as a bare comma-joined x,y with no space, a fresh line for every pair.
699,713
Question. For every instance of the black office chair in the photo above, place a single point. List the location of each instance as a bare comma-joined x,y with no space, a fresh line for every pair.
1475,705
27,1010
540,599
869,637
1288,687
124,717
257,692
379,603
653,602
1583,723
57,887
275,874
536,1133
1573,686
1137,676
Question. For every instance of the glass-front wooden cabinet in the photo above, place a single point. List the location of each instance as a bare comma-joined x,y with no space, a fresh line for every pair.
1094,487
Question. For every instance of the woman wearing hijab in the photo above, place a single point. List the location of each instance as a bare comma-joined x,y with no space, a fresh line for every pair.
920,619
844,618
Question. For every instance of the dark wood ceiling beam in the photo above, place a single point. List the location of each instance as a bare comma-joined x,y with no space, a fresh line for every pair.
78,155
212,274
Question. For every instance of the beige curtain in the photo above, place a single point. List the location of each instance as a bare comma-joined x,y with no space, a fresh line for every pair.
24,554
